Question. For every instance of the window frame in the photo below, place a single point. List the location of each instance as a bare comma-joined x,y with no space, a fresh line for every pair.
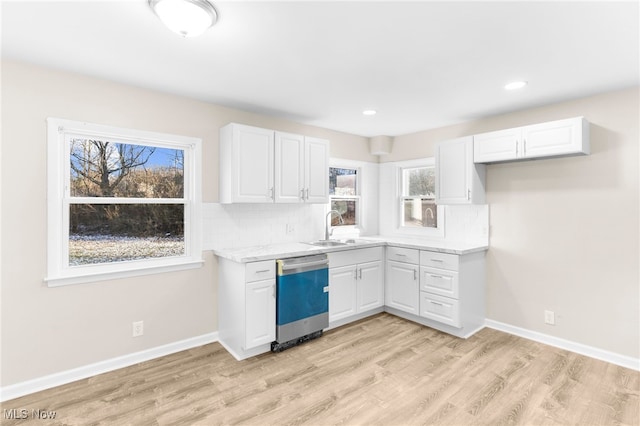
400,197
345,164
59,272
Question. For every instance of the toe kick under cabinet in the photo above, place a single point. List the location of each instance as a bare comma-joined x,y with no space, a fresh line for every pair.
448,295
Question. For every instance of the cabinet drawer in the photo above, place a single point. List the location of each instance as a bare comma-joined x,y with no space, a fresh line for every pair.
403,255
441,309
354,256
258,271
438,260
439,281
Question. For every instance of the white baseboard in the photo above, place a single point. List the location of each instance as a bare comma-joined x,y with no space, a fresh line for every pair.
590,351
31,386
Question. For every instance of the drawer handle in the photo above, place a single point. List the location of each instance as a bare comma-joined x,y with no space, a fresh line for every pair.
401,255
437,260
436,303
262,271
436,276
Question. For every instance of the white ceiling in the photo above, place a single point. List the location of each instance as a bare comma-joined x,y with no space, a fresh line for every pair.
419,64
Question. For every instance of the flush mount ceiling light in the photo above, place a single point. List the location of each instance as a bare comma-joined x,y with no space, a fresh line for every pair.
515,85
186,17
369,112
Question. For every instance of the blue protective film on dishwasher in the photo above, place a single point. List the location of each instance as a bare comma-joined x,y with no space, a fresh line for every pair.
301,295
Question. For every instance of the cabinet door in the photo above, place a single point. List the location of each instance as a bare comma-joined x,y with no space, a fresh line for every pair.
497,146
252,174
342,292
554,138
370,286
260,321
452,177
402,287
458,179
316,170
289,168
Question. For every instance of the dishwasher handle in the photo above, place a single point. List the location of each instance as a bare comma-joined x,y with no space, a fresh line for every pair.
302,264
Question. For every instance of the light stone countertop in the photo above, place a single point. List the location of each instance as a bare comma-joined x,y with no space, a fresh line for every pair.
286,250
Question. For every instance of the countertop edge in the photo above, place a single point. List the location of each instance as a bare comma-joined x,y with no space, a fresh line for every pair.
245,255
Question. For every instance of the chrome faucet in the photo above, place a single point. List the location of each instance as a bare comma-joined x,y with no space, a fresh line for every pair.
327,221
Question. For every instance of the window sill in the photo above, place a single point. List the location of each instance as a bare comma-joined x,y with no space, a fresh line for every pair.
119,274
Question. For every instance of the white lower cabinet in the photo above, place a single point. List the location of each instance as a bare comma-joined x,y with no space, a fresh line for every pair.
402,286
356,286
440,290
342,292
370,286
246,306
260,314
452,291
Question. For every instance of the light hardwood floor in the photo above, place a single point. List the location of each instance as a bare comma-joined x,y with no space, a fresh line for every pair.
379,371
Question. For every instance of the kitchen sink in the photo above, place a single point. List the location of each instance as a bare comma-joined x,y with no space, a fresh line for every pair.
335,243
328,243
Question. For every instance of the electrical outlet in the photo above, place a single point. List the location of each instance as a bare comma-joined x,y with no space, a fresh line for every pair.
290,228
549,317
137,328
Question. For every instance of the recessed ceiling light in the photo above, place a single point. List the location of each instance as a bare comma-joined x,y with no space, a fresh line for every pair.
369,112
186,17
515,85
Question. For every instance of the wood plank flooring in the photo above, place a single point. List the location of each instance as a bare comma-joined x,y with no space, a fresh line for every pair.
382,370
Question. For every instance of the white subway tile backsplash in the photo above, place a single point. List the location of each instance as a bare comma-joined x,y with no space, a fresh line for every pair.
467,223
241,225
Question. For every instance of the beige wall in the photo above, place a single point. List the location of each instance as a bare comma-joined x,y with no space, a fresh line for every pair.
49,330
563,232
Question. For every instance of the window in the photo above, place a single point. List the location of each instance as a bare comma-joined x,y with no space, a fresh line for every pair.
121,202
417,201
345,195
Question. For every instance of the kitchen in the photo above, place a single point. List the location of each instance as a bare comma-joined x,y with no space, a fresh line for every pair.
563,232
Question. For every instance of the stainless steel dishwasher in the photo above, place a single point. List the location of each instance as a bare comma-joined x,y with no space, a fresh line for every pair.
302,300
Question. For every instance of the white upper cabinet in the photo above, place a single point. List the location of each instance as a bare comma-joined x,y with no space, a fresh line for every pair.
551,139
246,164
289,167
562,137
265,166
458,179
496,146
316,175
